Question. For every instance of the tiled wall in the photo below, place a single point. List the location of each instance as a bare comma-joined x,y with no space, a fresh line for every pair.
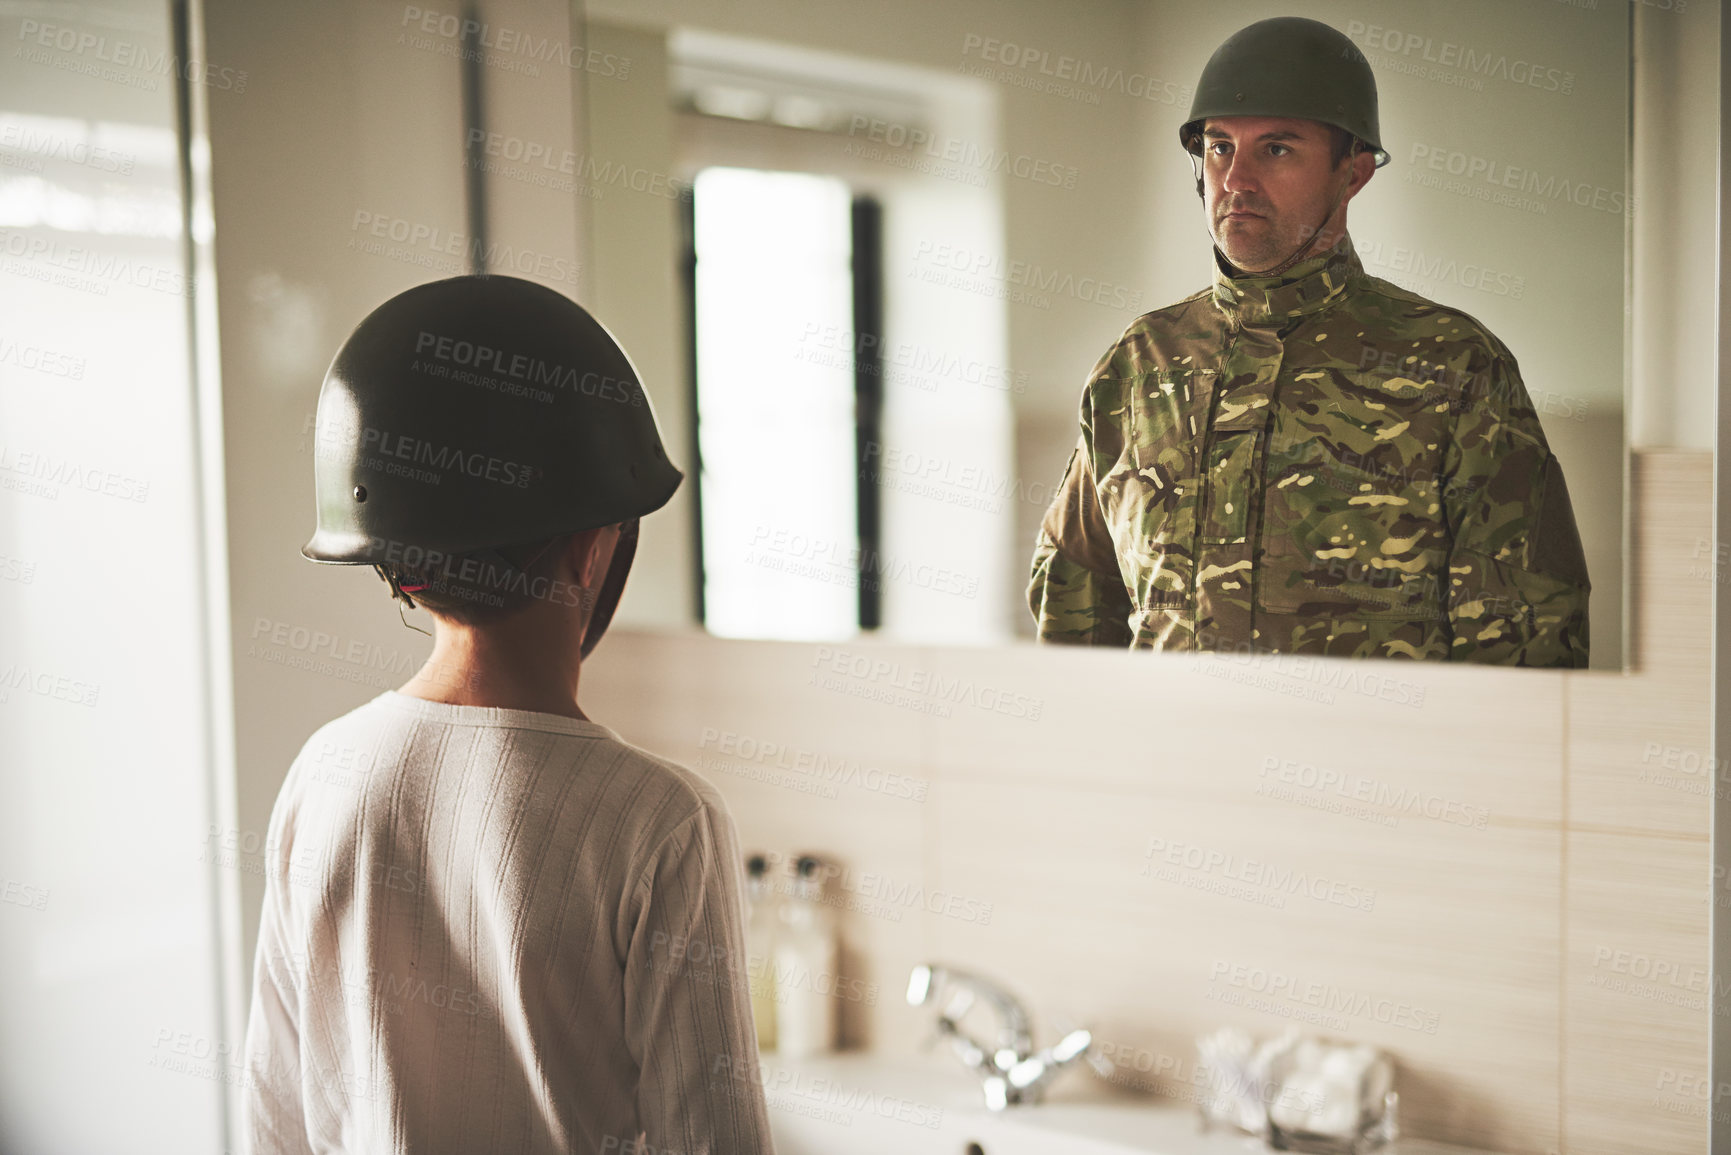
1498,875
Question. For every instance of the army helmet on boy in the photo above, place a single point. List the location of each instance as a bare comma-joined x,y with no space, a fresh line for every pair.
468,416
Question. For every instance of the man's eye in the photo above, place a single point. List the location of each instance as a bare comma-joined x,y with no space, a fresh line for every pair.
1219,147
1278,149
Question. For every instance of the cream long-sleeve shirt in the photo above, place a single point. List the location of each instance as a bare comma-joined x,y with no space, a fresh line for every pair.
491,930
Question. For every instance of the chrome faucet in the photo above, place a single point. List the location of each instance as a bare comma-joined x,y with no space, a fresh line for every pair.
1012,1071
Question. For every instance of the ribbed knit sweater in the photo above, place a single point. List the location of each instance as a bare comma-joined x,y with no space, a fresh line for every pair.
491,930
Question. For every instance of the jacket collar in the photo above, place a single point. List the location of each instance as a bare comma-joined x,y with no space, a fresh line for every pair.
1307,287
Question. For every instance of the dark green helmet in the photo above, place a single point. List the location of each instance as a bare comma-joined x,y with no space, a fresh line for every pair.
1288,66
478,413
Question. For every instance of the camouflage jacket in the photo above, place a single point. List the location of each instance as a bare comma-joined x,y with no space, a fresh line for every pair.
1319,463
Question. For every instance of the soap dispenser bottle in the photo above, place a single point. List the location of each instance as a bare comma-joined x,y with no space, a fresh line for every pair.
805,967
760,933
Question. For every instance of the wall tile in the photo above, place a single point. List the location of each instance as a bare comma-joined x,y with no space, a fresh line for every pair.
1636,988
1424,941
1500,816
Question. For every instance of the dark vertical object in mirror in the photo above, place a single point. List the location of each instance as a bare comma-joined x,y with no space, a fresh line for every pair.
474,133
868,389
694,448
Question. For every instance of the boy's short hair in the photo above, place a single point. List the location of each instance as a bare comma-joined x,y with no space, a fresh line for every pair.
476,590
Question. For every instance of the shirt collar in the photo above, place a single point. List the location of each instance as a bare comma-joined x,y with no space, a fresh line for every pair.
1307,287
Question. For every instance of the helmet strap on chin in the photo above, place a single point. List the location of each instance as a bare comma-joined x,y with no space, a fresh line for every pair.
404,619
1304,246
402,595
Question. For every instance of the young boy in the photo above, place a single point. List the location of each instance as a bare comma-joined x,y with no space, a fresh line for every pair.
478,901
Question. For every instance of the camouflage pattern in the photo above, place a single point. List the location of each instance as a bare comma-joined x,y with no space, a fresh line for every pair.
1316,463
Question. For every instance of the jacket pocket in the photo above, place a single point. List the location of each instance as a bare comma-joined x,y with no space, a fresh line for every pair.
1232,481
1160,484
1332,584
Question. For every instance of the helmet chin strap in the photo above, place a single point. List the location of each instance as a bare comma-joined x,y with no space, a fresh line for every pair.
612,586
1292,258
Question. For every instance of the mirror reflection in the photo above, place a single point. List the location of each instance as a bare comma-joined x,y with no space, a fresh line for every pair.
970,361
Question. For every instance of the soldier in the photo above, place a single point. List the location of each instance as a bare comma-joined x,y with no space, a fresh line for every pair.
502,931
1303,458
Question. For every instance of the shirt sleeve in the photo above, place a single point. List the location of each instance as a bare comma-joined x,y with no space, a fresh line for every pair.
273,1110
1517,578
687,1001
1076,590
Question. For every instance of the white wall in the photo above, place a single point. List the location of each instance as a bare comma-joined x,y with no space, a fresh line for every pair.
113,848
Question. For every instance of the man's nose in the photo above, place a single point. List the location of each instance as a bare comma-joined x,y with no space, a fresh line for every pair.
1239,175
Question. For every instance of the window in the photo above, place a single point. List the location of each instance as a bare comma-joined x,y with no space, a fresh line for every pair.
777,289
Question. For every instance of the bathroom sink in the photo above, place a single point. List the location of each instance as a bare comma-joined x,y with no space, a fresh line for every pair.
872,1104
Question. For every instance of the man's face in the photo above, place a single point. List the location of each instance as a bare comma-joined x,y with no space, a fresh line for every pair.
1269,182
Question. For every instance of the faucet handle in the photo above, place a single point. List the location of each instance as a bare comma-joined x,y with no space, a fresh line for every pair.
1029,1077
1099,1063
1077,1043
920,982
1040,1067
1071,1045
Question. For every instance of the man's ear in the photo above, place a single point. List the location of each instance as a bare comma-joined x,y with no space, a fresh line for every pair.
1363,168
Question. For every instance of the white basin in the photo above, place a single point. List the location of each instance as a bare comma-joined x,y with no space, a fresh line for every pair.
872,1104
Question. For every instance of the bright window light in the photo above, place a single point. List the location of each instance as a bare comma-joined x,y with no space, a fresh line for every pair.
774,304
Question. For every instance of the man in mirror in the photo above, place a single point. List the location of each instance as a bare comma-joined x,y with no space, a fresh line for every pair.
1303,458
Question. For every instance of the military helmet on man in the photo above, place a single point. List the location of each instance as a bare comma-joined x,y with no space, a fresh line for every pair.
1288,66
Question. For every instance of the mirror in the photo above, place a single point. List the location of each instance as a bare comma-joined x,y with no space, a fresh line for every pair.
912,231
